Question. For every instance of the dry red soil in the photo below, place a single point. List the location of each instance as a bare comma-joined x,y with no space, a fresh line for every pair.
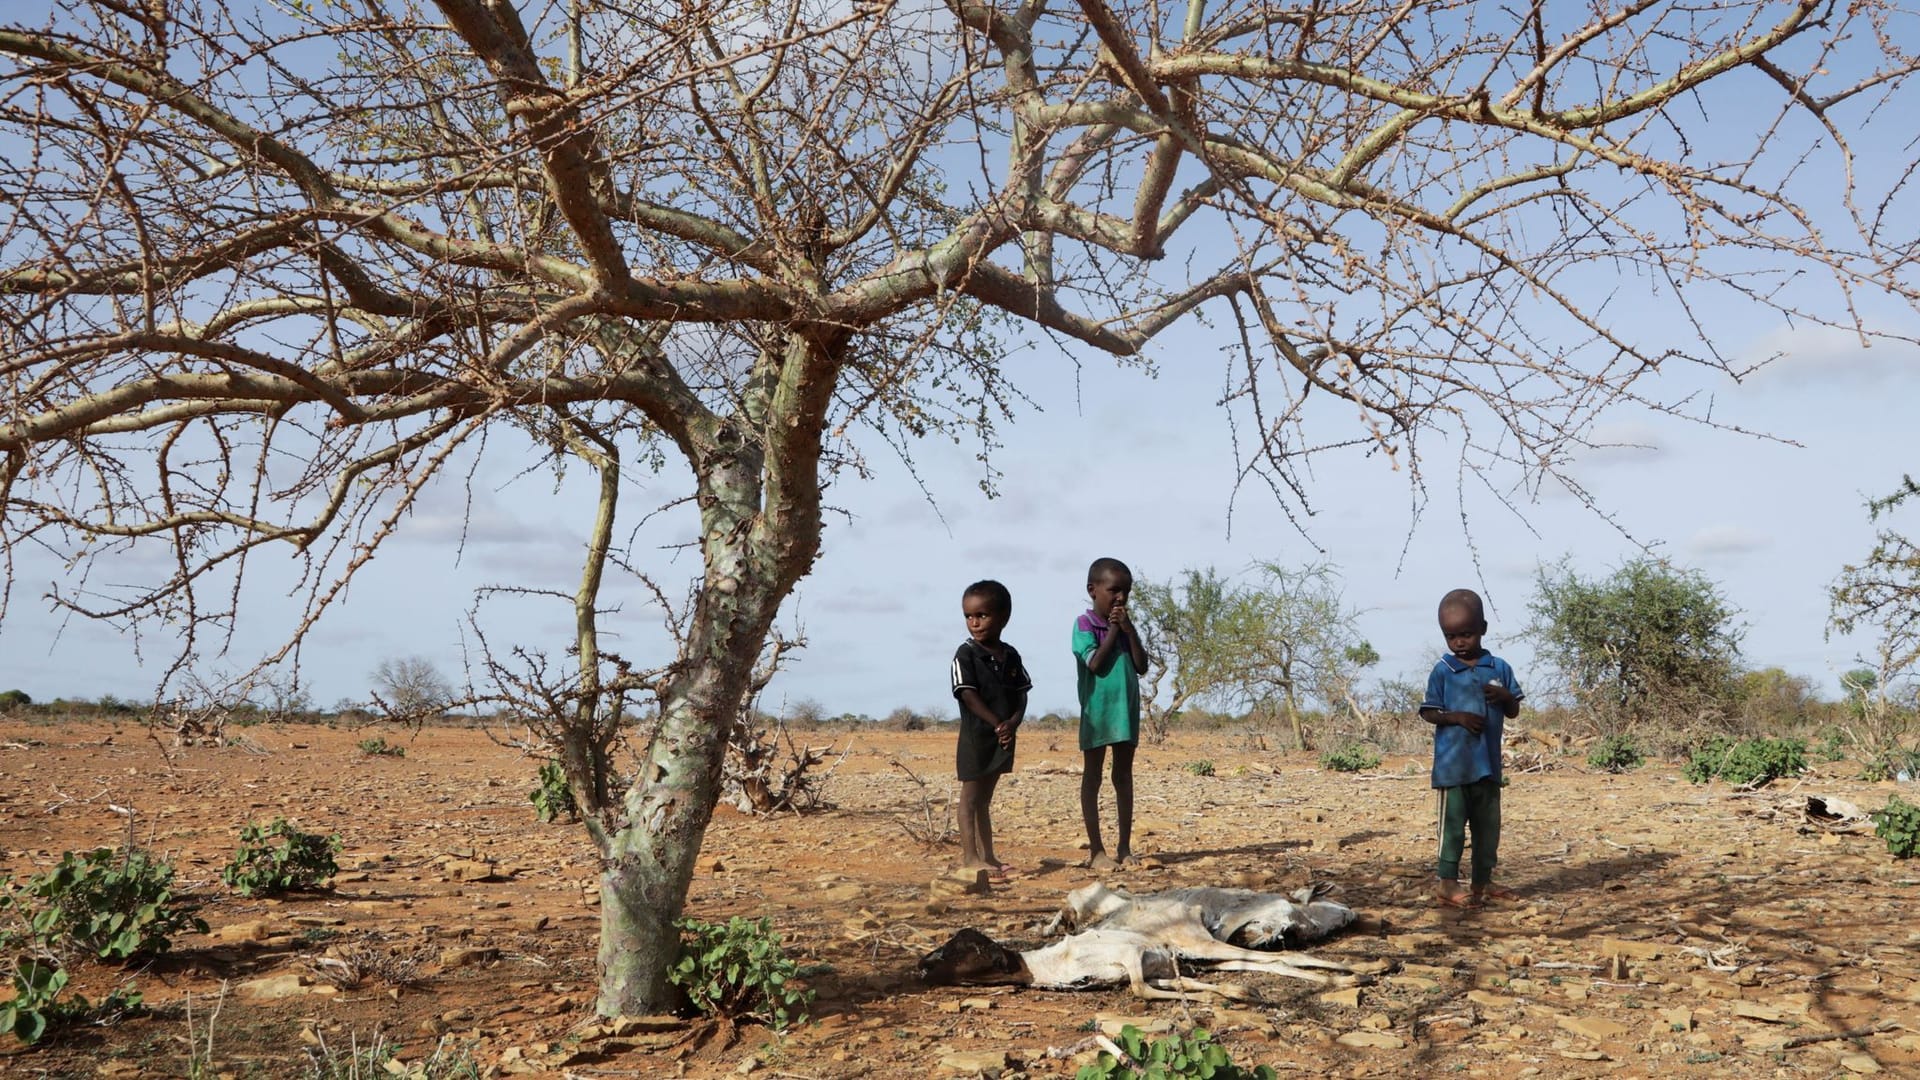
1664,928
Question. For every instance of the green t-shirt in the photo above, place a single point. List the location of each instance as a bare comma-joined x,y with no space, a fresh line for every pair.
1109,702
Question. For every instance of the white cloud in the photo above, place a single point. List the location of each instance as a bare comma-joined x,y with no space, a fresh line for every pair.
1726,540
1797,356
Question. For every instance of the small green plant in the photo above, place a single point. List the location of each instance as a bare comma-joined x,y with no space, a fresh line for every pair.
37,1006
378,747
1615,754
1194,1055
113,905
1353,757
279,858
554,796
1898,823
1750,763
1203,767
737,969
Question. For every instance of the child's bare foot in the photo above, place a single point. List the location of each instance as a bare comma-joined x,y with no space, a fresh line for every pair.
1484,893
1100,860
1449,892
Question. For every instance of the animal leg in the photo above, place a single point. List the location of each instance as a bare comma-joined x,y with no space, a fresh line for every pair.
1277,967
1178,989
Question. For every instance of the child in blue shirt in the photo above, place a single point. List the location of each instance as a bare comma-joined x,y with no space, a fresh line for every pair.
1470,696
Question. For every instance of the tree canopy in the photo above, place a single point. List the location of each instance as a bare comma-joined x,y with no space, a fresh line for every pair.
268,271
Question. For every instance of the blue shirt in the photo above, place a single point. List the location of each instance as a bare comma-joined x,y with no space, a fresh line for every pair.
1459,756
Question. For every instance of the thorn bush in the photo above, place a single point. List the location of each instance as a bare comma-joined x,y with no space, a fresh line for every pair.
378,747
1203,767
278,857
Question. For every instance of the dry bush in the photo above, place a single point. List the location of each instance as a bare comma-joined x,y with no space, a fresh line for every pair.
932,828
348,964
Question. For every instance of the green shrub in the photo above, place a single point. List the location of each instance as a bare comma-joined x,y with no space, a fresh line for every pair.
1899,825
1203,767
1195,1055
113,905
554,796
1615,754
1832,745
737,969
1896,764
279,858
377,747
1353,757
13,699
37,1007
1750,763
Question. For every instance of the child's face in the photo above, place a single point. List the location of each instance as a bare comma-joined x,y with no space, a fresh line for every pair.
1463,631
984,619
1108,590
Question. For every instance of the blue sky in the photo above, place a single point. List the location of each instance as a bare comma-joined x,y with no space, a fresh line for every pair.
1771,521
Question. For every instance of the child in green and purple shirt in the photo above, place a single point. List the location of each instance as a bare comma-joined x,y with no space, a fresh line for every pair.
1109,658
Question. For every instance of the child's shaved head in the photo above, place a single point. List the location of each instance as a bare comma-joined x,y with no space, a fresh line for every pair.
994,593
1104,568
1465,601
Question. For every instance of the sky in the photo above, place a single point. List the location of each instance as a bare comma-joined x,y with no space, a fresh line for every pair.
1136,464
1127,463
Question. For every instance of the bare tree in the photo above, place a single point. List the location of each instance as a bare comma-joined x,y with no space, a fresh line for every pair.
410,687
268,271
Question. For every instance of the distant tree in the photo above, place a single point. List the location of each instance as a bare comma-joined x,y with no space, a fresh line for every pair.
1269,645
1648,639
1882,591
1773,696
410,686
1304,645
1198,629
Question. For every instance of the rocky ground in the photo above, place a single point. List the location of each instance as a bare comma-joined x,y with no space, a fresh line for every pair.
1664,928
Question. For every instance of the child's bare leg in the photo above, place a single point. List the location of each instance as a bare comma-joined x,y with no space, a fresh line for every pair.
983,823
1123,798
972,800
1093,763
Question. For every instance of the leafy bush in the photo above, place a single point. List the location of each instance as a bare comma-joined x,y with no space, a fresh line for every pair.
36,1006
13,699
738,969
1203,767
377,747
1896,764
1899,825
1749,763
114,905
1353,757
554,796
1832,745
279,858
1615,754
1194,1055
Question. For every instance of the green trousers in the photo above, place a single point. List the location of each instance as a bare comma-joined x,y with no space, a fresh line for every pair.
1471,808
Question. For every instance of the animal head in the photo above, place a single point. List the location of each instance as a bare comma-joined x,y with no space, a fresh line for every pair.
1089,904
971,957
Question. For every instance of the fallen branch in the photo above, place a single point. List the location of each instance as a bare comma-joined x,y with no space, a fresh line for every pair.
1831,1036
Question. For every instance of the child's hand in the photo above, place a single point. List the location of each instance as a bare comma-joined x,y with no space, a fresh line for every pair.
1472,721
1498,694
1117,617
1004,732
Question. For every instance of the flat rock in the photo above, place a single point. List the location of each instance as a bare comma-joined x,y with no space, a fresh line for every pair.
1490,1000
1593,1027
274,987
1349,997
1754,1010
1637,950
976,1062
1380,1040
958,883
1111,1026
1860,1063
470,870
451,959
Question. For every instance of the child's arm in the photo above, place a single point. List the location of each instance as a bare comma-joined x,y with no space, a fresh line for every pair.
1499,695
971,701
1102,657
1120,628
1472,721
1012,723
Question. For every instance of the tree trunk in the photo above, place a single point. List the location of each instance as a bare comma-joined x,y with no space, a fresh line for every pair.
759,498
